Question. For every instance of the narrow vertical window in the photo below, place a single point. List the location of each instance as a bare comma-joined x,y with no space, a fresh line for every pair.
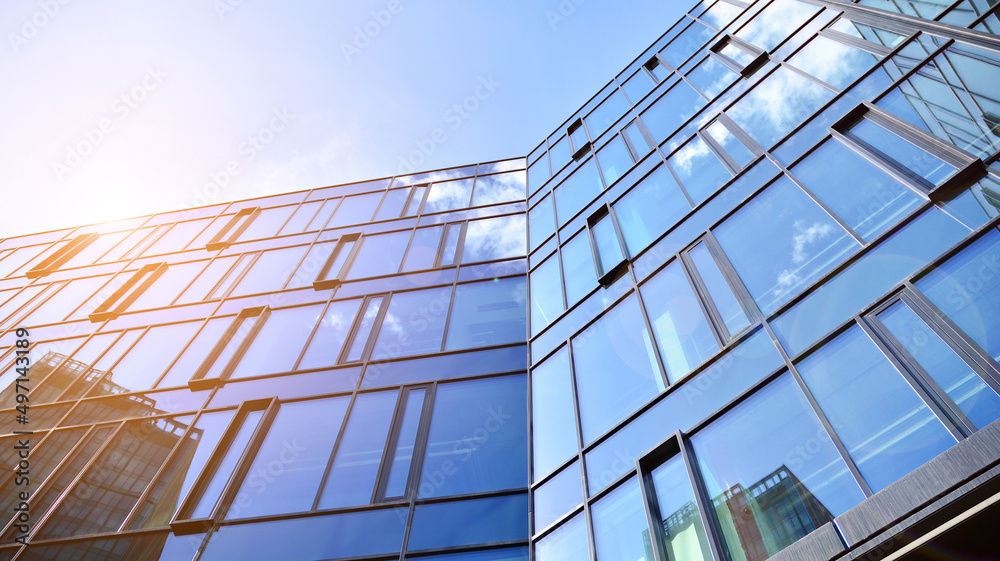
365,324
606,244
64,254
339,262
233,229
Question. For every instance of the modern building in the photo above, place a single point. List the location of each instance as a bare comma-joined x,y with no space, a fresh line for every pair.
744,304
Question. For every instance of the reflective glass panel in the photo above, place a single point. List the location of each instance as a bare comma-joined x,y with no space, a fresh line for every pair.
224,470
649,209
609,111
578,264
423,249
270,271
494,238
683,528
355,210
364,329
277,345
778,104
566,543
576,192
488,313
330,335
392,204
833,62
379,255
722,295
606,243
558,496
541,222
399,469
413,324
449,195
499,188
699,169
615,160
670,111
469,522
546,294
772,25
553,414
915,159
620,529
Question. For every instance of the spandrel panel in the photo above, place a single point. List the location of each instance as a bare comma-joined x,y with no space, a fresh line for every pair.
488,313
649,209
413,324
966,288
286,472
553,414
494,238
753,460
356,461
478,438
778,104
956,378
781,242
882,422
329,338
682,331
278,344
618,342
867,198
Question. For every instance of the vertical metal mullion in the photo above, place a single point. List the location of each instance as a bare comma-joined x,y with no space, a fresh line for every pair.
708,307
713,533
420,444
334,450
352,334
388,449
376,328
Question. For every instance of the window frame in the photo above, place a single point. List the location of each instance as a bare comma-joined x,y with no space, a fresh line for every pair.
122,298
234,228
68,251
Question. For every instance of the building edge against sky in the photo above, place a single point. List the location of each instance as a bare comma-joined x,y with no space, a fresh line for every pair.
750,291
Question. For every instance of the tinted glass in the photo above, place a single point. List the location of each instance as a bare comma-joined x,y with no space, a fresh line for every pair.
567,543
615,160
277,345
488,313
553,415
413,324
399,469
392,204
546,294
449,195
573,194
494,238
423,249
683,528
606,243
270,271
499,188
379,255
777,104
670,111
541,222
558,496
649,209
330,335
579,267
457,523
355,210
620,529
915,159
722,295
609,111
699,169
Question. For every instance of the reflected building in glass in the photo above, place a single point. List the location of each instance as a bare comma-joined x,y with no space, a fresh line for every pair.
741,305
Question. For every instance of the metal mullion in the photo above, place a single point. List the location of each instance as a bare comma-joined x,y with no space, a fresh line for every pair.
580,455
238,476
852,41
703,502
376,327
333,451
420,444
90,367
890,166
788,66
352,334
378,207
928,397
679,184
753,313
963,424
291,275
652,511
826,209
312,334
447,317
741,135
727,161
391,441
58,501
718,326
664,379
980,361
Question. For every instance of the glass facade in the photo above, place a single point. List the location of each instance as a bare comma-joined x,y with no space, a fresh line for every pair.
749,285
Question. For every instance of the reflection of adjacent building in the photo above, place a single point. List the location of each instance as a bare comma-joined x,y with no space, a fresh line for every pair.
769,515
683,535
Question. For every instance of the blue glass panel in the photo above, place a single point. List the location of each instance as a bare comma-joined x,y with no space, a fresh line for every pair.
867,279
356,463
379,255
444,367
578,262
399,469
496,519
559,153
337,536
615,159
651,207
833,62
772,25
959,381
977,204
494,238
392,204
355,210
413,324
778,104
567,543
685,406
478,438
546,294
449,195
538,172
499,188
605,114
885,426
608,248
915,159
671,110
682,331
541,222
278,343
687,43
728,141
618,342
576,192
683,529
505,554
699,170
330,335
620,529
869,200
553,415
967,289
488,313
637,86
711,77
558,496
722,295
770,462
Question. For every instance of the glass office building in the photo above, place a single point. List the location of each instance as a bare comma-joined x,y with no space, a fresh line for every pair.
743,304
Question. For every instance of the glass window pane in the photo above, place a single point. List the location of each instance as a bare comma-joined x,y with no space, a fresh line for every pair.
167,286
771,26
885,426
649,209
711,77
615,160
364,330
608,248
636,139
865,197
682,332
194,355
579,138
277,345
567,543
147,360
958,380
736,53
637,86
499,188
683,528
355,465
778,104
576,192
478,438
450,245
699,169
355,210
670,111
967,289
609,111
578,263
423,249
620,529
299,221
224,471
687,43
767,489
469,522
286,472
559,153
494,238
270,271
267,223
413,324
833,62
926,165
538,172
546,294
392,204
541,222
617,342
780,242
553,415
557,496
415,201
722,295
330,335
399,469
379,255
736,150
449,195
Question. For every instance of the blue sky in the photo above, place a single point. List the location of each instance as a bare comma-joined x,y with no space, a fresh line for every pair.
115,109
